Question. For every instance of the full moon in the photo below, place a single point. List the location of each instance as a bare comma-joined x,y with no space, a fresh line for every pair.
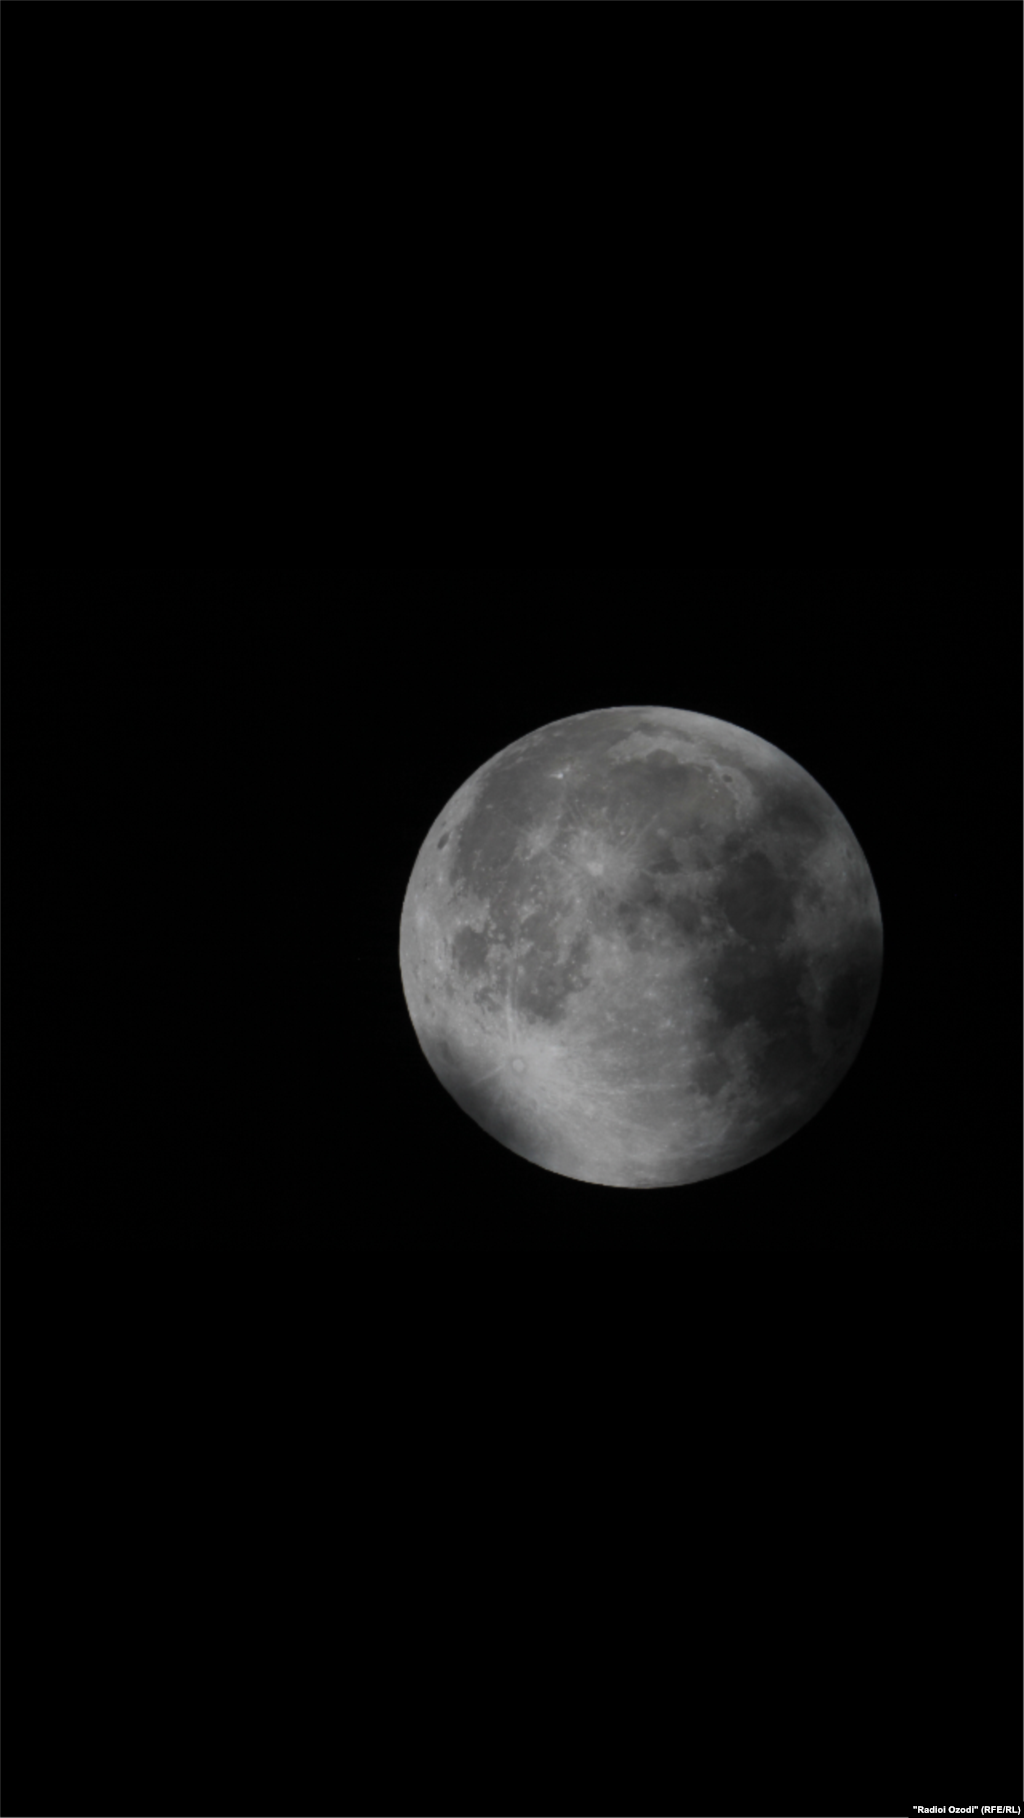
640,947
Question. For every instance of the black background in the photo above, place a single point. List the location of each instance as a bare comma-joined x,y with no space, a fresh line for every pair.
232,773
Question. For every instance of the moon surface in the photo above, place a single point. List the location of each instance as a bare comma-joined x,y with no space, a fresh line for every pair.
640,947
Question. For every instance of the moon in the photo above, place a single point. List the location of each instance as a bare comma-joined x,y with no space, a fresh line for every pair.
640,947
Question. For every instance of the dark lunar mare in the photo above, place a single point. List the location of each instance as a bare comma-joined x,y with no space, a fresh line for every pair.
851,997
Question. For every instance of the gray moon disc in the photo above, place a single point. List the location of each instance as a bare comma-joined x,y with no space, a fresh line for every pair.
640,947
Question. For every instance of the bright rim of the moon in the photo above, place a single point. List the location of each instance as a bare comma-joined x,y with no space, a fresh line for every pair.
641,947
